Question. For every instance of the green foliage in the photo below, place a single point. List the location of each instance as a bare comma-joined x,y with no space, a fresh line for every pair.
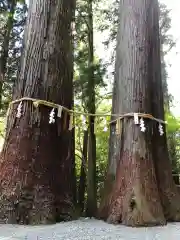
81,57
14,48
173,123
173,133
81,74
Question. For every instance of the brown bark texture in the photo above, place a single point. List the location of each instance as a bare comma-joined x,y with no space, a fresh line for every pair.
139,189
37,160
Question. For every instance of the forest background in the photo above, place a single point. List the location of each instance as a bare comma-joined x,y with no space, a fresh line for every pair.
104,28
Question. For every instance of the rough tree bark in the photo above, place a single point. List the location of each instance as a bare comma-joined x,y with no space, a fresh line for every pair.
91,206
142,192
37,162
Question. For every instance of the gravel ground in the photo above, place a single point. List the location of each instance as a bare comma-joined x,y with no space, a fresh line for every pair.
85,229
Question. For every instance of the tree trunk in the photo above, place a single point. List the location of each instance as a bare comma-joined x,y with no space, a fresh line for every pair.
37,162
82,181
169,194
134,198
5,45
91,175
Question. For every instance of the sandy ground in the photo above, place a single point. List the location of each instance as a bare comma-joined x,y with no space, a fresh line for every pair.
84,229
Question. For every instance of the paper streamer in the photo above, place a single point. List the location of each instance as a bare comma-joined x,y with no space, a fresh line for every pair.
71,122
59,113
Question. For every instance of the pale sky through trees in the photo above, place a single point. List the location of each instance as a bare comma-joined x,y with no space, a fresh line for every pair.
173,58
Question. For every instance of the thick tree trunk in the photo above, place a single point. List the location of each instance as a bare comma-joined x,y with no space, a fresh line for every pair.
37,162
5,45
134,198
169,194
82,181
91,207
